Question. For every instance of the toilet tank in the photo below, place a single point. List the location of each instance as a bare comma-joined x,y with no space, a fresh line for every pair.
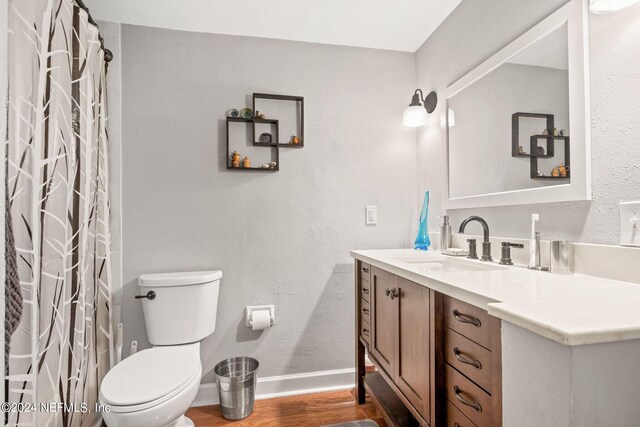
184,307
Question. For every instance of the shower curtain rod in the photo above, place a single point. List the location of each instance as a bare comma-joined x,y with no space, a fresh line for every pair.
108,55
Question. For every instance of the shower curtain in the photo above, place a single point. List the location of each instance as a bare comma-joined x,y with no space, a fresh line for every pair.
59,197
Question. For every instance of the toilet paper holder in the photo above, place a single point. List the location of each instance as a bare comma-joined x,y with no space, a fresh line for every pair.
249,310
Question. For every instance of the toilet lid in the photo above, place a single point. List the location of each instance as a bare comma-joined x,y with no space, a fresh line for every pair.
150,375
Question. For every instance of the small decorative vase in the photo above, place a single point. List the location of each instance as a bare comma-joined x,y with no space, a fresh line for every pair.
422,240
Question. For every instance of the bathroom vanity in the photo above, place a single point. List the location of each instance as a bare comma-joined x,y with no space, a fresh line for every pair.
459,342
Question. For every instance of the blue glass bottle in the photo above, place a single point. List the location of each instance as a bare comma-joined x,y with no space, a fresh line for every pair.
422,240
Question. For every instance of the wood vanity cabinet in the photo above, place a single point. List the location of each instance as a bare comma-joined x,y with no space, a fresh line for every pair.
438,359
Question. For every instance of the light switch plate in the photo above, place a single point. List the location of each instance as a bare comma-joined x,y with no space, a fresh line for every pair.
630,223
371,215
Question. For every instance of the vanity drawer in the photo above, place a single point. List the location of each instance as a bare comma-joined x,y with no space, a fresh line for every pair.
455,418
365,272
365,290
365,309
473,360
365,329
471,322
470,399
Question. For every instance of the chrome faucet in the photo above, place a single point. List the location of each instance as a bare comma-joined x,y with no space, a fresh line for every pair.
486,244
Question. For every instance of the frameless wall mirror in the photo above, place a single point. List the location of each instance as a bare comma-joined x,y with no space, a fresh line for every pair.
521,132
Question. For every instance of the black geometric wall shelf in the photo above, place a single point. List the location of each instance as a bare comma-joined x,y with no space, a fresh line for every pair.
272,127
567,159
515,131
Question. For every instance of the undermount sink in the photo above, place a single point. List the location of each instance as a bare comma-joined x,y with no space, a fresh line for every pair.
448,265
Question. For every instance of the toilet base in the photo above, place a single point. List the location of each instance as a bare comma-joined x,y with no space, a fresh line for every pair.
183,421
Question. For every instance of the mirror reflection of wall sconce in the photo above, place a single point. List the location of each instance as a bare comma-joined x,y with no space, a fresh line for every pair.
415,115
609,6
452,118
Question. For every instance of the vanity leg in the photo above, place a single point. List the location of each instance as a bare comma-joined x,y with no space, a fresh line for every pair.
360,369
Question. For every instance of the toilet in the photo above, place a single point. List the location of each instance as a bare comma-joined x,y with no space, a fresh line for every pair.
155,387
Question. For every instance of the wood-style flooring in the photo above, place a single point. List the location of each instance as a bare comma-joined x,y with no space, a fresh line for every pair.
309,410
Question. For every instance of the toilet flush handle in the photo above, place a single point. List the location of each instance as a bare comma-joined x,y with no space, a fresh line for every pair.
149,295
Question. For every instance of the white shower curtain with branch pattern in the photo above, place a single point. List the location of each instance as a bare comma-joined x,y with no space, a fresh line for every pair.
58,187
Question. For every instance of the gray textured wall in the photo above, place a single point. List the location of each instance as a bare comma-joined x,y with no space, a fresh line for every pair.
280,238
466,39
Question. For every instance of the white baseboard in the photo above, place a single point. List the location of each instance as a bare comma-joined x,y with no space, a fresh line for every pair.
286,385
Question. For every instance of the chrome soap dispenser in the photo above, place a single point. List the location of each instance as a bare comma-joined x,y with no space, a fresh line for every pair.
445,233
534,246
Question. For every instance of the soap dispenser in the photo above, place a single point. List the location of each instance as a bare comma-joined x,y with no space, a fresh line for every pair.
445,233
534,246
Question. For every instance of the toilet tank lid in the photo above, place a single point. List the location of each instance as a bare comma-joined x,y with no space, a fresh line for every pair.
185,278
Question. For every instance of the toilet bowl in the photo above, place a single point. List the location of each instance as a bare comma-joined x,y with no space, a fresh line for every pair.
155,387
152,388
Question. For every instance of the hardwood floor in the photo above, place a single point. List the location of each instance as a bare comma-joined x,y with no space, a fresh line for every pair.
304,410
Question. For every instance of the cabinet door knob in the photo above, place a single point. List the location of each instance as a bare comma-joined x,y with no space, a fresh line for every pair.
458,354
394,294
474,405
365,291
465,318
365,310
387,292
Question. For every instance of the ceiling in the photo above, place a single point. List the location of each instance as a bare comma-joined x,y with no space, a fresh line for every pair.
551,51
382,24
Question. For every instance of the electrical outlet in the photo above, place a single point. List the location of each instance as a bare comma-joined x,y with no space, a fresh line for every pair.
630,224
371,215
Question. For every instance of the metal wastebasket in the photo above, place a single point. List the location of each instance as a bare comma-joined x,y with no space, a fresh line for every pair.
236,378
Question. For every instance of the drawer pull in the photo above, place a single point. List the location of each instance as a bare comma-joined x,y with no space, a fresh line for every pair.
365,291
365,311
458,354
465,318
365,269
474,405
456,425
391,293
365,331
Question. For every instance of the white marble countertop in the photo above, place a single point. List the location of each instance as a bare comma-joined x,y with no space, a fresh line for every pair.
569,309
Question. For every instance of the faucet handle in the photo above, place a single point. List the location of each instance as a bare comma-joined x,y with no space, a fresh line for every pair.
505,258
473,252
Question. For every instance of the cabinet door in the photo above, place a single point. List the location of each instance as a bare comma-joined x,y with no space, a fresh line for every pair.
412,360
384,311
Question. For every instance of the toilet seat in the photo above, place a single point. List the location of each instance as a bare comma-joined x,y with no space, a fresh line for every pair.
151,377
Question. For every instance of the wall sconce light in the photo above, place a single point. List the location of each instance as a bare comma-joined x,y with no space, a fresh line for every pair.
609,6
415,114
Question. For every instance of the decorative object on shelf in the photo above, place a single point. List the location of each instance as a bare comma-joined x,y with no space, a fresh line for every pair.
246,163
270,165
233,112
545,132
246,113
265,138
563,132
540,151
564,170
260,115
555,132
609,6
555,172
521,150
235,159
422,239
415,115
295,140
